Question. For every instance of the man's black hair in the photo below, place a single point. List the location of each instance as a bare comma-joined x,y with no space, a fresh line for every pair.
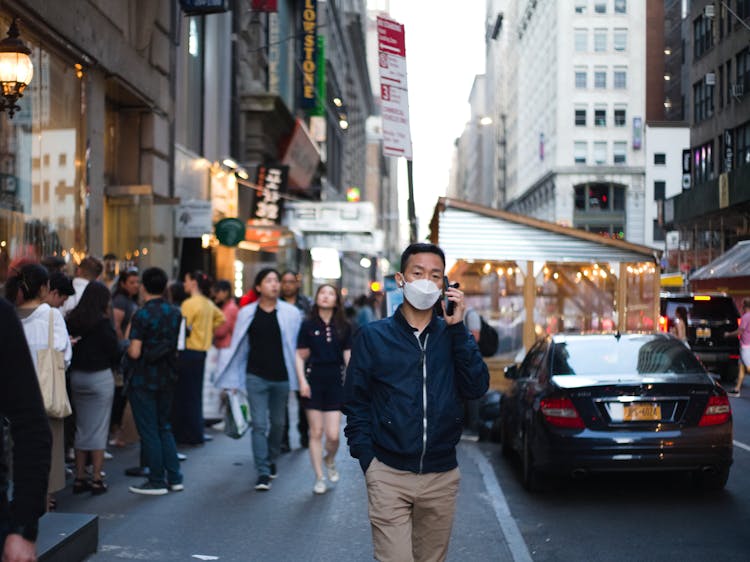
420,248
263,273
61,283
223,285
154,280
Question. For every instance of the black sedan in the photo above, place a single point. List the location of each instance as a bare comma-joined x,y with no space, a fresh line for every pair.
590,403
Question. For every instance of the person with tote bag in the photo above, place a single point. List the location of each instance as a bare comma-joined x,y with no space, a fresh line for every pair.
27,288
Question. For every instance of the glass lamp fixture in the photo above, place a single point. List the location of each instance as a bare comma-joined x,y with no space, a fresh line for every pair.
16,69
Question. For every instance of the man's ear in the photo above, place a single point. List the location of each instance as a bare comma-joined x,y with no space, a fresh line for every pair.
399,277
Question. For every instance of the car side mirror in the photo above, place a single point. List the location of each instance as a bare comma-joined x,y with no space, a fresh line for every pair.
511,372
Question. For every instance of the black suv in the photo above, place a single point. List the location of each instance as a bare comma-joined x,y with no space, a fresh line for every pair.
710,316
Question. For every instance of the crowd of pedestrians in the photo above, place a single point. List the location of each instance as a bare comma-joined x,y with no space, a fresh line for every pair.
145,342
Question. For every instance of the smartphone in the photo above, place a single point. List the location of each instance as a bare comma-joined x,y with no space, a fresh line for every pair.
449,305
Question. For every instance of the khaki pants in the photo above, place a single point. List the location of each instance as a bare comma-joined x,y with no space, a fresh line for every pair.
411,515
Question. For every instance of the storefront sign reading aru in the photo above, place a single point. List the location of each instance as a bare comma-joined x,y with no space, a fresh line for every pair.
271,181
308,54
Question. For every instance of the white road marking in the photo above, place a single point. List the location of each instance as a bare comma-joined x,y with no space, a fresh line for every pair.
741,445
516,544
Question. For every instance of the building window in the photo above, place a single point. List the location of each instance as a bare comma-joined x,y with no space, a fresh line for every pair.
581,6
599,197
659,234
600,152
581,40
35,163
580,117
703,162
45,160
743,70
729,81
660,189
600,40
600,7
702,37
619,151
580,148
580,79
620,42
600,79
660,158
62,159
742,142
600,117
620,118
621,79
621,6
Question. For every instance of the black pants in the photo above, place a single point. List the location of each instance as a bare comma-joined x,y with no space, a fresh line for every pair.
187,409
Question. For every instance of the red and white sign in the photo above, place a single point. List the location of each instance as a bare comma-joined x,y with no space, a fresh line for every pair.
393,88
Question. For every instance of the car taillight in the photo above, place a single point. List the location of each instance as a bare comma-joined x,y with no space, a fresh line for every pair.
717,411
663,324
561,412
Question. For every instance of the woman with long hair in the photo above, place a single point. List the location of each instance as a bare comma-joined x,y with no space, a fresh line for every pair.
323,350
27,288
91,382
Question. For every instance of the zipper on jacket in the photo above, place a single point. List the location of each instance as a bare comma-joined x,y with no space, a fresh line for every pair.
424,399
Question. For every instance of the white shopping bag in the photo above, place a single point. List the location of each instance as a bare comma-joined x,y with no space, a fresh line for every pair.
237,417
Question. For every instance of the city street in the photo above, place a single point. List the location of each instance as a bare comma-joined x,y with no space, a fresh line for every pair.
219,515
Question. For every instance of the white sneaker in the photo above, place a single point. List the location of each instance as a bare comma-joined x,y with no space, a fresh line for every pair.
333,474
320,486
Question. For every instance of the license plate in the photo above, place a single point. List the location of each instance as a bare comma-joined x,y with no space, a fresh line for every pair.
641,411
703,332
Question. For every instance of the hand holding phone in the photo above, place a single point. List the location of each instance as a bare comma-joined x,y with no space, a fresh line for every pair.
449,304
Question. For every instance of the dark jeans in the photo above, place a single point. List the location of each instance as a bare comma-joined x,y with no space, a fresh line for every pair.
268,400
151,413
187,414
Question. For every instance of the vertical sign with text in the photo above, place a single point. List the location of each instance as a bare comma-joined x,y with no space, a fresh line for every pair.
308,54
393,88
271,184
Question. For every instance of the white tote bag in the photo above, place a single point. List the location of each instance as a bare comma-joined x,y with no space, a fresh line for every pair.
50,367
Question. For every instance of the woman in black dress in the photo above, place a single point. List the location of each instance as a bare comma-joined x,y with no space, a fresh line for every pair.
323,350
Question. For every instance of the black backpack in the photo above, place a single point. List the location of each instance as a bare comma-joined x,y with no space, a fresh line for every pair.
489,340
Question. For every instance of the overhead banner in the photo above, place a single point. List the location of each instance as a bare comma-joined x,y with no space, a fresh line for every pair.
267,203
308,54
393,88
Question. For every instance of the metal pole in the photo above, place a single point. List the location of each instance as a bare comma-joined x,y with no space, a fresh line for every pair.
412,212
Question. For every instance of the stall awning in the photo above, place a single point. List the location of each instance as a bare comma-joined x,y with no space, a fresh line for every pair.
735,262
469,231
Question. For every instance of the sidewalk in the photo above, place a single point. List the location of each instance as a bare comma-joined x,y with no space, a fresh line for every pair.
220,514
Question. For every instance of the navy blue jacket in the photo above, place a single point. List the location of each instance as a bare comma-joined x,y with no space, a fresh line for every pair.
404,395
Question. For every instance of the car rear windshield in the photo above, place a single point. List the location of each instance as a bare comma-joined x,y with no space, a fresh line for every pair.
711,310
626,356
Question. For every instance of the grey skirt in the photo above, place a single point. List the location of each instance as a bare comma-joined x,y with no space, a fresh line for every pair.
92,393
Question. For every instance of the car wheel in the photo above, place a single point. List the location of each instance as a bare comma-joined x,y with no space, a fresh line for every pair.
711,480
530,474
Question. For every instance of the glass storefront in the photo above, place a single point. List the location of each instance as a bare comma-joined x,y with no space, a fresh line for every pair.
43,164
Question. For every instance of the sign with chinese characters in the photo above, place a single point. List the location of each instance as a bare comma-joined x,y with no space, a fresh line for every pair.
393,88
728,150
271,182
308,54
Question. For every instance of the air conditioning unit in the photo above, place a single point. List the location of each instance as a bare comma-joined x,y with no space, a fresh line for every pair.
709,11
710,79
737,90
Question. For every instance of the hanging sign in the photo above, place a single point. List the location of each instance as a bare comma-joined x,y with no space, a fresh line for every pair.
308,54
393,88
267,203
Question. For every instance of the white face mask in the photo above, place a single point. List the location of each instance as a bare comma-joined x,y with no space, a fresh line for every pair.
422,294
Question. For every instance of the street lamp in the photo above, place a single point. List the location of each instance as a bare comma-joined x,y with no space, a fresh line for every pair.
16,69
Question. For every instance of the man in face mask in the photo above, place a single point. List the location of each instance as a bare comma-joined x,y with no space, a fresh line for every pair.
408,453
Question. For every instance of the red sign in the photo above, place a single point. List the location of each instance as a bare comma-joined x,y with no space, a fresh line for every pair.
391,37
264,5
